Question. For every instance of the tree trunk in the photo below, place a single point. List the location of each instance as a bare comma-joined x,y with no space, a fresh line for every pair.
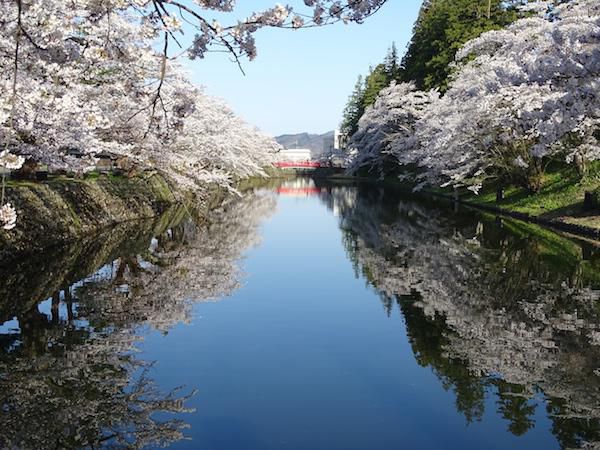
499,194
54,308
580,164
590,201
535,173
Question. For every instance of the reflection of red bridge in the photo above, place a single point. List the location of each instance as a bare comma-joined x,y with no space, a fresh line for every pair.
298,165
298,187
289,191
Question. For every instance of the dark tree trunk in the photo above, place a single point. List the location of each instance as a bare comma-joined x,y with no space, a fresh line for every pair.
499,194
590,201
54,308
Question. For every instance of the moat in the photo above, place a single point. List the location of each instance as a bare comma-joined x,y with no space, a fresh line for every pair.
308,315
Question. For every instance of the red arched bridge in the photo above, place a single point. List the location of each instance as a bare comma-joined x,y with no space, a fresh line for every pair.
298,164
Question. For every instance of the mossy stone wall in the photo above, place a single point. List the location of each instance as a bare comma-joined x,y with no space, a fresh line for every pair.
64,209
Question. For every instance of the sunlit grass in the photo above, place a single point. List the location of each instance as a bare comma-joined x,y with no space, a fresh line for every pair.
561,196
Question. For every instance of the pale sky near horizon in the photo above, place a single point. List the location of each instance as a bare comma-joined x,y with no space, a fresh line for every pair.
301,79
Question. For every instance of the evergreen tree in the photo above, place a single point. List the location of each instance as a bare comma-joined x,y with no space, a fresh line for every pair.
392,63
375,82
442,27
354,108
365,92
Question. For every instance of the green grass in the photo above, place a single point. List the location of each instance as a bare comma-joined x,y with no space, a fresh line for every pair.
560,190
561,197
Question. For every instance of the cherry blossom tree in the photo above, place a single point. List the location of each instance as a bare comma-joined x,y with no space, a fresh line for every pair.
527,93
8,214
82,73
520,97
386,132
238,38
213,145
84,77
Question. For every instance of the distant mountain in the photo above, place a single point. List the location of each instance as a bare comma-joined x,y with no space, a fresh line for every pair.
318,143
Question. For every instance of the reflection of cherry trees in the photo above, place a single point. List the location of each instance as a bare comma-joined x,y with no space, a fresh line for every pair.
70,388
488,305
183,265
69,374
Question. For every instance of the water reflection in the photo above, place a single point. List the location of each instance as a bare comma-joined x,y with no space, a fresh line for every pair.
69,373
493,307
298,187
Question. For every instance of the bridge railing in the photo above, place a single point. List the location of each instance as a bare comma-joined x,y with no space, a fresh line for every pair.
297,165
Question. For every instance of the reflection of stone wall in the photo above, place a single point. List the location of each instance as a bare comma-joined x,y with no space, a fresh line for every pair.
28,280
505,300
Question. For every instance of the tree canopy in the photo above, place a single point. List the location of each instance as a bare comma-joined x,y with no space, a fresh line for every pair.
86,77
366,90
441,29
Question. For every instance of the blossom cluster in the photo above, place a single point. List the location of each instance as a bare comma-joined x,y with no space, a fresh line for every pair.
8,214
519,96
81,78
386,133
239,37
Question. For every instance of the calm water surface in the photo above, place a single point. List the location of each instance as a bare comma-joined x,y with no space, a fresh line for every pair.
307,316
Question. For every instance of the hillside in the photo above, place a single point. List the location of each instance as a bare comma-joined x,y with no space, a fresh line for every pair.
314,142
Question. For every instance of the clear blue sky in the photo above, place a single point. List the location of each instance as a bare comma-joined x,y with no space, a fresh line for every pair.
301,79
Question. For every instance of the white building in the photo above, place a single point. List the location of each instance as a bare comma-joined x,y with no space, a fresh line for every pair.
340,140
295,155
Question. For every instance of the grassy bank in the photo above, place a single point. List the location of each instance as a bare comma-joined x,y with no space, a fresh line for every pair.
559,202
